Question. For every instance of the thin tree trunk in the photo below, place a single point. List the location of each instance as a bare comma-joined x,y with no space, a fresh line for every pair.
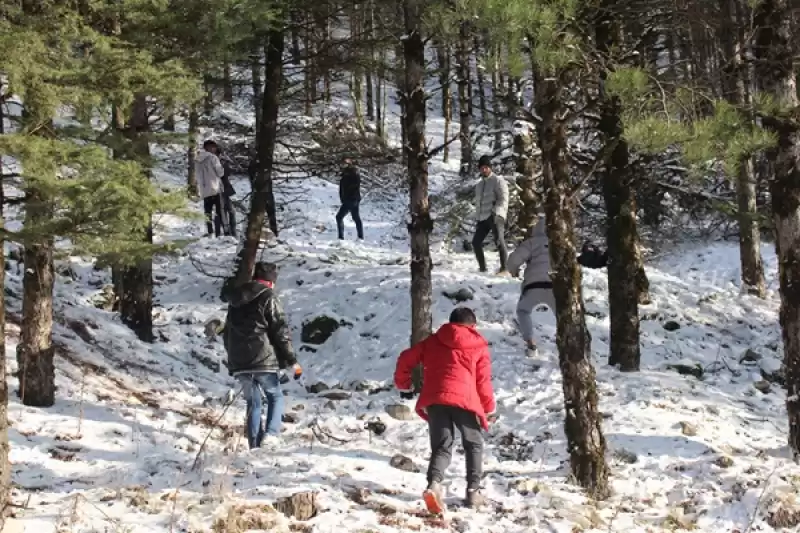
582,423
357,79
421,225
35,348
380,97
443,56
526,168
310,74
208,100
262,203
255,79
169,116
369,24
617,179
400,73
734,80
227,84
136,296
773,51
5,463
481,61
191,152
295,19
464,106
496,106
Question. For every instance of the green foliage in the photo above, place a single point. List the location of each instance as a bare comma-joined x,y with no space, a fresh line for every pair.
66,64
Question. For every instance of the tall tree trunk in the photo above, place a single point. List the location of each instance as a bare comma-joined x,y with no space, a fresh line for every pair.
443,56
5,463
136,294
734,78
35,348
582,422
191,152
255,80
369,71
262,203
464,106
496,97
481,60
295,30
617,179
227,83
400,73
208,99
380,96
421,225
169,116
526,168
773,52
357,78
310,72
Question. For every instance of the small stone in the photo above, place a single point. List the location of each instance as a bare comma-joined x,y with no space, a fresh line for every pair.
762,386
330,405
750,356
289,418
213,328
299,407
461,295
687,370
688,429
625,456
671,325
526,486
400,411
318,387
301,506
337,395
401,462
724,461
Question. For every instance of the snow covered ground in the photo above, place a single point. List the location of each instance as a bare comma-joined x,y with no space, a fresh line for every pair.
140,439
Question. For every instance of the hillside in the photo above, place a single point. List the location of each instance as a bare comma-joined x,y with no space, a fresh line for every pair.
140,439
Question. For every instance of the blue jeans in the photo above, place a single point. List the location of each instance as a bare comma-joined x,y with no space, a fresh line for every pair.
256,387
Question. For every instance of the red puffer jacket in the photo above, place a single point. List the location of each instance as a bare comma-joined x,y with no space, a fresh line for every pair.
457,371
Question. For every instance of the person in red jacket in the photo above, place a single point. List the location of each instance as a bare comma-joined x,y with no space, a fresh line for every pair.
456,393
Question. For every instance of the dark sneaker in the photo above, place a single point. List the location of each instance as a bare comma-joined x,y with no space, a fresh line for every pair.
433,499
475,499
531,350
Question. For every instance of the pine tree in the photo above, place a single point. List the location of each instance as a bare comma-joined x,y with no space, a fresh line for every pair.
74,190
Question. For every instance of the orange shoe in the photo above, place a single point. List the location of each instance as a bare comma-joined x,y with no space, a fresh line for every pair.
433,499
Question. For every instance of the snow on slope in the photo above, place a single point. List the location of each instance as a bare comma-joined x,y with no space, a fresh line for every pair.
123,449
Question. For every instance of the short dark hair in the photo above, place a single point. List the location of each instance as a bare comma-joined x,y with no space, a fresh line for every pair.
464,316
485,161
209,143
266,271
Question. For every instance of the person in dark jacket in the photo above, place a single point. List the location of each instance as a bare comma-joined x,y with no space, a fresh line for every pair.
228,214
350,196
592,257
258,342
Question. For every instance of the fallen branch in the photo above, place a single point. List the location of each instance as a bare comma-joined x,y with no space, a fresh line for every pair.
214,426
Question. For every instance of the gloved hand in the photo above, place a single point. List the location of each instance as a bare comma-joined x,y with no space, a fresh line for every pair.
298,371
407,395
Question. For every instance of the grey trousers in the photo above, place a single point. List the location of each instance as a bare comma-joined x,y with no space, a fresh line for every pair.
528,301
442,422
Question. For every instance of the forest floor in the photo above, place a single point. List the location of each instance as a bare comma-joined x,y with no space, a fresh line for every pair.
141,439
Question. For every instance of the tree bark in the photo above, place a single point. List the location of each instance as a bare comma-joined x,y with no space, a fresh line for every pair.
5,463
35,349
421,224
262,203
773,53
227,84
617,179
368,73
191,151
255,81
479,68
443,56
582,422
734,78
464,107
136,281
530,199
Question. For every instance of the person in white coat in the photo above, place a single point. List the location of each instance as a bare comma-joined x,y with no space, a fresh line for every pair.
209,172
537,287
491,211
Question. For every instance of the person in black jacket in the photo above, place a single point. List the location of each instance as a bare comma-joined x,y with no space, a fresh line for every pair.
350,196
258,342
592,257
228,214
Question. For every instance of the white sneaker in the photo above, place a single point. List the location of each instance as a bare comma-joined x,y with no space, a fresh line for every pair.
270,442
532,352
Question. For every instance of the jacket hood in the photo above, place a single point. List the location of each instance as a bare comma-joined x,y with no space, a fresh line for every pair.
202,156
460,337
246,293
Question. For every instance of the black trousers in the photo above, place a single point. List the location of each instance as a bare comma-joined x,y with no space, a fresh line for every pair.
443,420
351,208
210,204
496,225
230,216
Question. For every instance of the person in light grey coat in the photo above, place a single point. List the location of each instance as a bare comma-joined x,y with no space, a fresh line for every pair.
491,211
537,288
209,172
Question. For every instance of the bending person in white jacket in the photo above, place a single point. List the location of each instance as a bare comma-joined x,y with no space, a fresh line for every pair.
537,287
209,172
